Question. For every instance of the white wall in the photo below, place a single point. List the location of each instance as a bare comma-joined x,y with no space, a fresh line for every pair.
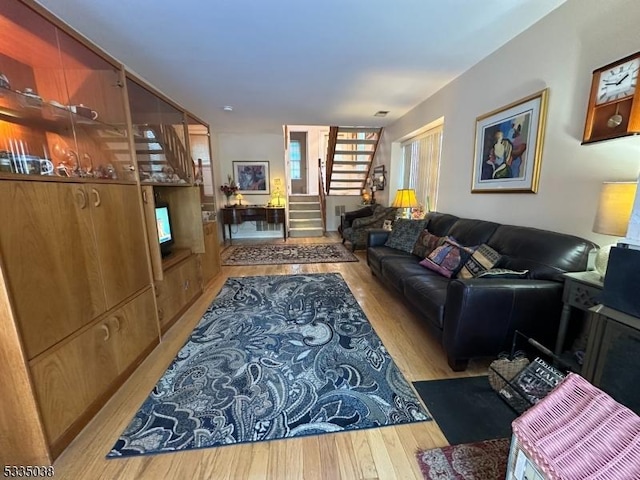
259,147
559,52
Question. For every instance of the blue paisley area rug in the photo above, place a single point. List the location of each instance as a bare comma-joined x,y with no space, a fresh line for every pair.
273,357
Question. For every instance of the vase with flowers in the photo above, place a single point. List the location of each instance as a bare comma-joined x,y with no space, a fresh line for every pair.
229,189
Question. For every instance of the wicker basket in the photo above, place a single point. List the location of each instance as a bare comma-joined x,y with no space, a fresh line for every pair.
578,432
504,369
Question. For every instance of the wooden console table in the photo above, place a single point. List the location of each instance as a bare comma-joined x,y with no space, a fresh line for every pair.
238,215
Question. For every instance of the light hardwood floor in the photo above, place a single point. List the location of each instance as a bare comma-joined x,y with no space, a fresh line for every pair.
385,453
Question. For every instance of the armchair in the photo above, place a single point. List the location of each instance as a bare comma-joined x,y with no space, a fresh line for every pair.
355,225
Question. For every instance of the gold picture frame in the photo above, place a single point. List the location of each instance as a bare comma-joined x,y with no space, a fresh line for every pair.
508,146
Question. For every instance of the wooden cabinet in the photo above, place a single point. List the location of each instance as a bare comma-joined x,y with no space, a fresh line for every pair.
75,374
80,252
180,287
121,246
62,103
48,246
77,309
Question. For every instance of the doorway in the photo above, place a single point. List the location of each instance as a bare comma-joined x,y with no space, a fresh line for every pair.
298,164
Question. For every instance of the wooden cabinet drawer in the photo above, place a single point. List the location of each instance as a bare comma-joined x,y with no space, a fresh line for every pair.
135,329
70,378
180,286
191,286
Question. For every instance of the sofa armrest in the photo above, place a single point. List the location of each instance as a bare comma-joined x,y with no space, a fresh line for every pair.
377,237
481,315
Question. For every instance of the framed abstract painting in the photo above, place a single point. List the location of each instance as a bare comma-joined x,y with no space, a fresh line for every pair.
251,177
508,147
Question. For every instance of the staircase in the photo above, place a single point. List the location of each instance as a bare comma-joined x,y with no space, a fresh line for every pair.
349,156
305,216
157,147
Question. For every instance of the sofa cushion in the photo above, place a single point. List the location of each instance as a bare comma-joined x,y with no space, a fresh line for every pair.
405,233
396,270
448,258
440,223
427,293
547,255
471,232
426,243
483,259
375,256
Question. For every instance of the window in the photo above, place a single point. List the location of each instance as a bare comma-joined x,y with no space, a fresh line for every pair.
295,158
421,156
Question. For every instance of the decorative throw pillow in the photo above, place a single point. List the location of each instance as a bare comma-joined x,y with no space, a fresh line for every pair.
426,243
405,233
387,225
483,259
448,258
504,273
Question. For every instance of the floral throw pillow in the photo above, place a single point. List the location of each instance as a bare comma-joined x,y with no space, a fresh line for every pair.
483,259
405,233
426,243
448,258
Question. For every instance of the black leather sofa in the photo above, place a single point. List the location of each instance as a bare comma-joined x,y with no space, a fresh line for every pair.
477,317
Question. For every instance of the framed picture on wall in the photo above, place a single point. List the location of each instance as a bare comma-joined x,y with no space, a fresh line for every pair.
508,147
251,177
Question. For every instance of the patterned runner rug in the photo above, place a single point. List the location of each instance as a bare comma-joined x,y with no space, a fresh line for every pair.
485,460
273,357
281,254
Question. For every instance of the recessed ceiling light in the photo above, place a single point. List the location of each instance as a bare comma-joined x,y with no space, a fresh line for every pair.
381,113
228,108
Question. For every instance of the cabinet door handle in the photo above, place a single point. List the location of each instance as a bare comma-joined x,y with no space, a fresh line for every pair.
160,313
96,194
144,196
116,321
186,285
107,334
82,198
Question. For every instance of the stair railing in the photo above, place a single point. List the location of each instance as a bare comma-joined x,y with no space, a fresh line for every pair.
174,150
323,198
331,152
373,155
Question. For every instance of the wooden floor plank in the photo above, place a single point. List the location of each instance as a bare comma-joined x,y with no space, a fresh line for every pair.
367,454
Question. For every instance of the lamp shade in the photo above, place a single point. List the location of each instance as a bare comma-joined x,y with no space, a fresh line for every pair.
614,208
405,198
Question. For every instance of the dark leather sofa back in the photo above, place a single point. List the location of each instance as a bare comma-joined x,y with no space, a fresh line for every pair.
472,233
440,223
547,255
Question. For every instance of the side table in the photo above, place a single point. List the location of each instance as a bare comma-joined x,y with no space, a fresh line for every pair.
581,290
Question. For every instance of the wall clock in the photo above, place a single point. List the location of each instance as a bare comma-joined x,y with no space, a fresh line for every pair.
614,102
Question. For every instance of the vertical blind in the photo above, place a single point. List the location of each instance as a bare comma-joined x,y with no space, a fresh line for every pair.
422,166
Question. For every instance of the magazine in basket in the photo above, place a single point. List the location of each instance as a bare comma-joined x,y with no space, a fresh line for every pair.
531,385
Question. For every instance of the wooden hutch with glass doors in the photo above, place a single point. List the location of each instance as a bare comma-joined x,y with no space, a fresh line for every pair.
86,150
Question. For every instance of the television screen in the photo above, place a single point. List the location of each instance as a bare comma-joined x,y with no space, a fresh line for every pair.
163,224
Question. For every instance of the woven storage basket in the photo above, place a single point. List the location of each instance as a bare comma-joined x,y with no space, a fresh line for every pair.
504,369
579,432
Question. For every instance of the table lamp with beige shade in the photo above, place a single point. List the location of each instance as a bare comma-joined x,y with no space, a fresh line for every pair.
239,198
277,191
405,199
612,216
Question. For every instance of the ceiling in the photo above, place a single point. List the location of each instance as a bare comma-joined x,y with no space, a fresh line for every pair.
300,62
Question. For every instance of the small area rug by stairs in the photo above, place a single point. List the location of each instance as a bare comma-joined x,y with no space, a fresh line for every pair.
279,254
